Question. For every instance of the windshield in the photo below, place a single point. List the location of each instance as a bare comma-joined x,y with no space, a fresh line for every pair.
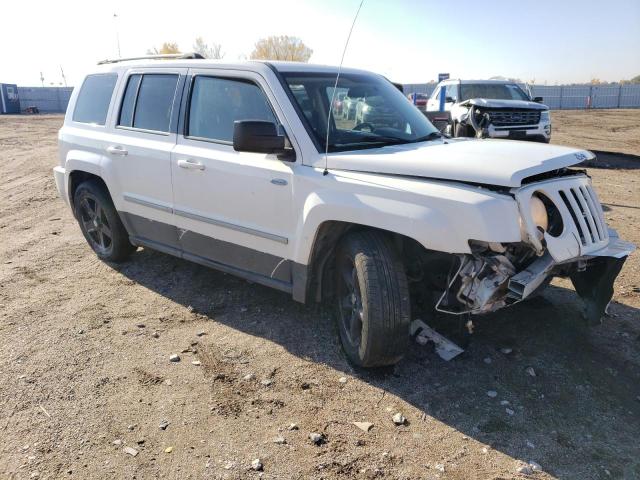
495,91
373,112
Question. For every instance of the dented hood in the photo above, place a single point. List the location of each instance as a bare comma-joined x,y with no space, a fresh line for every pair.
494,103
490,162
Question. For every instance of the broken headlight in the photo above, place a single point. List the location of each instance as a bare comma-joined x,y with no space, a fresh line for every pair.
539,213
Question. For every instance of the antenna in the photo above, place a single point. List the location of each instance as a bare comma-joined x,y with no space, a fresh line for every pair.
335,86
63,77
115,21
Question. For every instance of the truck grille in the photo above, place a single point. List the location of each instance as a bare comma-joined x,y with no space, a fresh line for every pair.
585,210
510,117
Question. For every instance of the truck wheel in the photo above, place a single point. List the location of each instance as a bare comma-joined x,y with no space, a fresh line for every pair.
461,130
100,222
372,296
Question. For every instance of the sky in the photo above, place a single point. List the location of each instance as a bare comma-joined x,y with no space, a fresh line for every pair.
409,41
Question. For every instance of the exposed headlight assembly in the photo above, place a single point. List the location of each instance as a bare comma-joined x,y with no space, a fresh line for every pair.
544,116
539,213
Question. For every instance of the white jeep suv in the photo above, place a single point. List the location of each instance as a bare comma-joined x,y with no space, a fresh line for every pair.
224,164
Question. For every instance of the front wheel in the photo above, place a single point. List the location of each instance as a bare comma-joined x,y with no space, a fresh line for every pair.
372,296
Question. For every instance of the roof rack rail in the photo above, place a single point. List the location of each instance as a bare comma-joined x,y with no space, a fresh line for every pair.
174,56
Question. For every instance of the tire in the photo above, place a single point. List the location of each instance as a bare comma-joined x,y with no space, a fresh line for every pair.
100,222
461,130
372,300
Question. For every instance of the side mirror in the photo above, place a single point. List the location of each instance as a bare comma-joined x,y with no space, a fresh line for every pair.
257,136
449,100
537,99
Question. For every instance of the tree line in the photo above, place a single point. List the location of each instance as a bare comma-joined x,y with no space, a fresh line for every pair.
282,47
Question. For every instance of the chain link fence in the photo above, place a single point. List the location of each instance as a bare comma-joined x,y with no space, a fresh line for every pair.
562,97
568,97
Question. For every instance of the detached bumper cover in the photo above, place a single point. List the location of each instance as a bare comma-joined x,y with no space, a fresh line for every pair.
595,284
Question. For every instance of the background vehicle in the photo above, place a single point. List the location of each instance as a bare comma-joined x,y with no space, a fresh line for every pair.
419,100
228,165
349,105
492,108
375,111
337,103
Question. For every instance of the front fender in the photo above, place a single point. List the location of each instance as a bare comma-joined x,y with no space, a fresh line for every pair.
441,216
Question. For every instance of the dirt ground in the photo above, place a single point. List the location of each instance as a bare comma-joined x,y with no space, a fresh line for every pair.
85,370
615,131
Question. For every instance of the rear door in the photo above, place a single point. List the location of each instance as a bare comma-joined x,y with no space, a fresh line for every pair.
139,153
233,209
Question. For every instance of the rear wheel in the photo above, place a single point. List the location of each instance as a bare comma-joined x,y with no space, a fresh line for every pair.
372,300
100,222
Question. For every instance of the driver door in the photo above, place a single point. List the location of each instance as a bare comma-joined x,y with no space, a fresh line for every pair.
232,209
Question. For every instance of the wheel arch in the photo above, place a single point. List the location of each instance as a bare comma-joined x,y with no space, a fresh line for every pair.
76,178
329,234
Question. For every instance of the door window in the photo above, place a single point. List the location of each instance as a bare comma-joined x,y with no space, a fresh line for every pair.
216,103
148,102
93,100
452,91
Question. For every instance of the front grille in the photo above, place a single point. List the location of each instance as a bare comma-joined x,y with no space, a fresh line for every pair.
585,210
510,117
582,230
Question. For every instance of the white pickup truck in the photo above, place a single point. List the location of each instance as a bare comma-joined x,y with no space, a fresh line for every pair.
491,108
225,164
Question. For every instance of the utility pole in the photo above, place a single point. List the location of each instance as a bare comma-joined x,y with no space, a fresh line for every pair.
115,21
64,79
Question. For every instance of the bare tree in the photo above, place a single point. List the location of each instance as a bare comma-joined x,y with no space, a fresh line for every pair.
281,48
214,51
166,48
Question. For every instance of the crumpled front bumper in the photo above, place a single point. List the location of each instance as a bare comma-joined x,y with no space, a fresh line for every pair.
540,131
488,282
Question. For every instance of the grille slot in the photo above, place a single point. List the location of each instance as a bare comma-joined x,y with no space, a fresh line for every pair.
510,117
581,202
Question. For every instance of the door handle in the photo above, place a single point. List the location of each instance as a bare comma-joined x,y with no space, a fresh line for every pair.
190,164
279,181
117,150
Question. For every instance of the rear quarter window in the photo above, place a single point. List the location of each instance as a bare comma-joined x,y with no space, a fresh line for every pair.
93,100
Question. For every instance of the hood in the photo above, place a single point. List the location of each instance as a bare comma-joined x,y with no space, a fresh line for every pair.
491,103
502,163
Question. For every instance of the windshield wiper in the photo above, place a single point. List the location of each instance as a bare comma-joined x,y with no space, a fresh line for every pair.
397,140
372,141
431,136
381,139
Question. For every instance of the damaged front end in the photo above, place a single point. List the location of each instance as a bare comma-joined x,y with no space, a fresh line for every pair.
564,235
504,118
